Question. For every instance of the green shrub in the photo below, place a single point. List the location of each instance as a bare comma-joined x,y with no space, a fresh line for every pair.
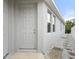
67,31
68,26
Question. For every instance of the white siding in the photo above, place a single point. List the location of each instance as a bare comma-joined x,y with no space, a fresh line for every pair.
47,40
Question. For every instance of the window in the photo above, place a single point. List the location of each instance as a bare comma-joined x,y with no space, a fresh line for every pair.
49,22
53,28
49,27
53,23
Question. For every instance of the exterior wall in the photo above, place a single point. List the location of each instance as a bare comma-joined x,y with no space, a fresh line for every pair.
73,32
11,23
40,10
47,40
73,36
5,27
8,26
8,29
59,26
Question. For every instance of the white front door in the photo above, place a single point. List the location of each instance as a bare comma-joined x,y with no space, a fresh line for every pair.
26,26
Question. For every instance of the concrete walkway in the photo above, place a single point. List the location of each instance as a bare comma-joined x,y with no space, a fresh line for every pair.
27,55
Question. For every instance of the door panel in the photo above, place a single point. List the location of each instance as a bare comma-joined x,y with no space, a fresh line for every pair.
26,26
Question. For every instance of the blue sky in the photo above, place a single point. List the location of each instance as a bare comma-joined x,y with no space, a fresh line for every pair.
66,8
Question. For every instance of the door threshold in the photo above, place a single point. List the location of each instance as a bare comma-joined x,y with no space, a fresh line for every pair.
27,50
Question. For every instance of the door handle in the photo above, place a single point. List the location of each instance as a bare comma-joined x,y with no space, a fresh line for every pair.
34,32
